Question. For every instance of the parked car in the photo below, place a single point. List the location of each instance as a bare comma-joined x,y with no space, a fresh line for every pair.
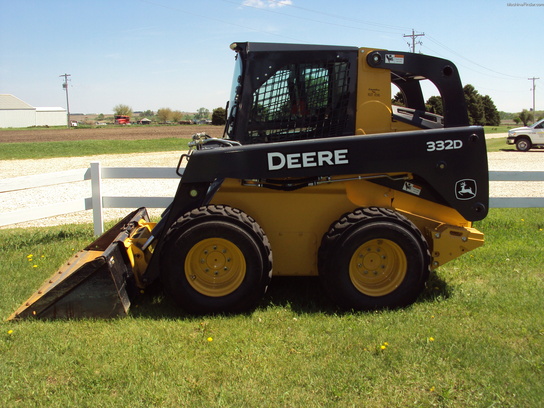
527,137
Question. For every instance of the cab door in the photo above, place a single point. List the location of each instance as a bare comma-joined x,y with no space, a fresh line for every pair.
539,133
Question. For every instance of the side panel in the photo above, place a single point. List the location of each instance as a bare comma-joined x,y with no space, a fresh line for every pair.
373,98
445,181
452,162
296,221
538,138
293,221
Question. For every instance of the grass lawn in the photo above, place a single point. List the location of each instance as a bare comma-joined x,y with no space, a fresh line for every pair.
42,150
498,144
475,338
499,129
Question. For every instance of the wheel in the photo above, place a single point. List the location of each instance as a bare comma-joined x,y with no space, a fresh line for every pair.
216,259
373,258
523,144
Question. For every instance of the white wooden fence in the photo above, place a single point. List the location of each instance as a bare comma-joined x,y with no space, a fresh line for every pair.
97,201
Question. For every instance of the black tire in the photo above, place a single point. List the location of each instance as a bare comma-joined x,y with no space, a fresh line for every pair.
374,258
523,144
216,259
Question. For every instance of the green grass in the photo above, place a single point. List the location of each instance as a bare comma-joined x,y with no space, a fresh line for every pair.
20,151
498,129
497,144
10,151
475,338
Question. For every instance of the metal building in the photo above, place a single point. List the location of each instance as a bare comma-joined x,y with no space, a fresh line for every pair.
15,113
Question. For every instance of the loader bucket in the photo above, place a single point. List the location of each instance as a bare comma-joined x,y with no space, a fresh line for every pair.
93,283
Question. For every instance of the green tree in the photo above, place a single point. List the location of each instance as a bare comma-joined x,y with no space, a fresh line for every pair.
434,105
121,109
219,116
177,116
507,115
474,105
202,113
164,114
398,99
525,116
147,114
481,109
491,114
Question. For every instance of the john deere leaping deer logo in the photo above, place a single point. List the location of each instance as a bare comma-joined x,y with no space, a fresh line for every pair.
465,189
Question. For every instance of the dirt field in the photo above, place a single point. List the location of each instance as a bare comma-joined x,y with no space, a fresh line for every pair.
135,132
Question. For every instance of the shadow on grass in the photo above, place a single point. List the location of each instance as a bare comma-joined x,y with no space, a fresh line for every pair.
154,303
436,290
302,295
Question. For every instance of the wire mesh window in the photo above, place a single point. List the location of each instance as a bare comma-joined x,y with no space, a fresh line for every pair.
301,101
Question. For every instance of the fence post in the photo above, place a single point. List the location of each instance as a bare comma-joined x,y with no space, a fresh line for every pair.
96,198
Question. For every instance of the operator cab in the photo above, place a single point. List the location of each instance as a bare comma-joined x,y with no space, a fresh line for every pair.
283,92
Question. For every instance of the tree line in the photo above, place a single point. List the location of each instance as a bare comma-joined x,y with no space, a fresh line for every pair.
481,111
526,116
481,108
167,115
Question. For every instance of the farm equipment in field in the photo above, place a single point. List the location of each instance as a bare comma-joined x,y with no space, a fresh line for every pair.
317,174
122,120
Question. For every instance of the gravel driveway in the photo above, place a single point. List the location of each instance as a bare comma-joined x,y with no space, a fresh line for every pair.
12,201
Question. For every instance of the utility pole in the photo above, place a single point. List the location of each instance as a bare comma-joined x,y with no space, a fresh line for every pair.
414,36
534,86
65,86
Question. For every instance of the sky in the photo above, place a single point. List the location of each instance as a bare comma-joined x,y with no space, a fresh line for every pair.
152,54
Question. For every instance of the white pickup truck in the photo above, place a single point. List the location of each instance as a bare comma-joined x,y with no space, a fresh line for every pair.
527,137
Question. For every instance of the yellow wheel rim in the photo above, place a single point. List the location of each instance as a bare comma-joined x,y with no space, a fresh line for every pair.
377,267
215,267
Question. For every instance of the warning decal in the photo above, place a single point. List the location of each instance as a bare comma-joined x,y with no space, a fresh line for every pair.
411,188
394,58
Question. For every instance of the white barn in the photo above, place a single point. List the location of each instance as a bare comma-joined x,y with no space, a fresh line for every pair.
15,113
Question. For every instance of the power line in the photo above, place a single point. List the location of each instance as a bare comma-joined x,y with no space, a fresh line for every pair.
65,86
472,62
368,23
362,25
208,17
337,16
534,87
384,28
414,36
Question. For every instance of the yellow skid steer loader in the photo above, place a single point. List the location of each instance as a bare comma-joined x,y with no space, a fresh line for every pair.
317,174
